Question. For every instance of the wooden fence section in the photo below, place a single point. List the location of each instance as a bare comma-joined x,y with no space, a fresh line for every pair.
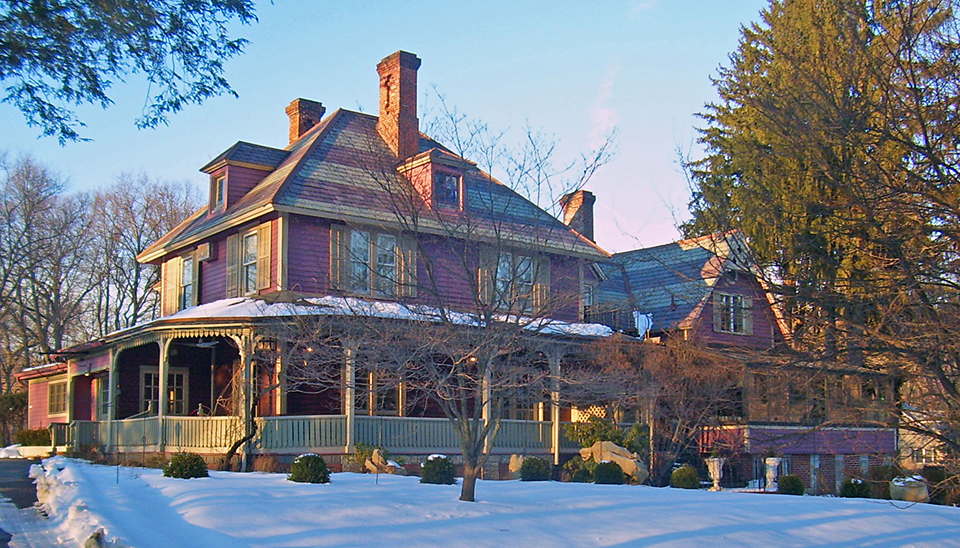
298,434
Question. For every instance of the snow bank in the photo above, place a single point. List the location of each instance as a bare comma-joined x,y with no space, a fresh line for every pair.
10,452
140,508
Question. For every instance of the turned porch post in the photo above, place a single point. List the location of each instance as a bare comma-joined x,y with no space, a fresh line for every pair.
162,398
554,355
112,374
349,399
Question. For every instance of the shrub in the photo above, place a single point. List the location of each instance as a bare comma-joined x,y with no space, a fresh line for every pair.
438,469
608,473
535,469
854,488
185,466
790,484
40,436
596,429
880,477
580,471
309,468
685,477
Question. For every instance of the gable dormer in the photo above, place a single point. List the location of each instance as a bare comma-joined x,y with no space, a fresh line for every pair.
438,177
235,172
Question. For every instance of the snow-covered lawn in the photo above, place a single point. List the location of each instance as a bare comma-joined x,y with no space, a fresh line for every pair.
143,509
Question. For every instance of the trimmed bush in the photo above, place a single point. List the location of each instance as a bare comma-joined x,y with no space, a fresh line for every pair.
880,477
685,477
309,468
791,484
535,469
38,437
438,469
854,488
266,463
608,473
186,466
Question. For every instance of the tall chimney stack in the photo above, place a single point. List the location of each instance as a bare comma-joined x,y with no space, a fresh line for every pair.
304,114
398,124
578,212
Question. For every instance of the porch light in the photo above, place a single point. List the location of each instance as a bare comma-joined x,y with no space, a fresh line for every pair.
472,359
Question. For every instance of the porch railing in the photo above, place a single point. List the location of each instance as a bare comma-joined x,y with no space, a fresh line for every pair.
292,434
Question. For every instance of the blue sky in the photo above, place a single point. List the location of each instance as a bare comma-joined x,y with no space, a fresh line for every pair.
570,69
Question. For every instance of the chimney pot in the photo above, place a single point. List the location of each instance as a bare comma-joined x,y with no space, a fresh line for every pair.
304,114
578,212
398,124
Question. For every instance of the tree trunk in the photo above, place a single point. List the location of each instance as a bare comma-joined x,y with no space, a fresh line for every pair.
469,487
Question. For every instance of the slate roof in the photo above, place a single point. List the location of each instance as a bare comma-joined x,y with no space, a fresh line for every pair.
342,169
670,281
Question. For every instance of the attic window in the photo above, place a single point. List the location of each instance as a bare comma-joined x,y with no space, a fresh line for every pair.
446,189
218,192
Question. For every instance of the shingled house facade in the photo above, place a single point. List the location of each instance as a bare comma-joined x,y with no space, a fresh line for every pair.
358,214
827,421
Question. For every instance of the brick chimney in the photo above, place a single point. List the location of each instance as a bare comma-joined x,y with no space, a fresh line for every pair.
578,212
398,124
304,114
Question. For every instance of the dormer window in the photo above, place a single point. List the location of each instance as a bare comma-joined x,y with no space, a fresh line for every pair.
218,192
446,189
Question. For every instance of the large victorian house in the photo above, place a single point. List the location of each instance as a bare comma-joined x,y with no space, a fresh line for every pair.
358,215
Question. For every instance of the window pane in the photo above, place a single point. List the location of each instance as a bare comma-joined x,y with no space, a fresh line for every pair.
249,270
360,261
386,264
446,189
504,278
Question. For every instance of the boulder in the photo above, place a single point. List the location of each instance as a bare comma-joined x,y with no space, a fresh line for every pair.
378,464
912,489
516,462
609,451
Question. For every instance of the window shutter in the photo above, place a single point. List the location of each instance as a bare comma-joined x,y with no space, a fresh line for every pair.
485,274
407,255
541,288
338,238
717,308
264,245
747,316
233,265
171,286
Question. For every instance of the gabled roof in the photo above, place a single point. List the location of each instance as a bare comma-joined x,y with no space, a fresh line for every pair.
672,281
342,169
250,154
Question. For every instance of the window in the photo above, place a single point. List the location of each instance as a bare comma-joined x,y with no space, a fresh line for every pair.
446,189
218,192
372,263
248,266
248,260
732,314
514,281
177,390
187,287
103,398
57,398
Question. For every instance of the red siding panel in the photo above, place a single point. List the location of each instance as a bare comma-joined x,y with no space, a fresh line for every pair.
240,180
308,255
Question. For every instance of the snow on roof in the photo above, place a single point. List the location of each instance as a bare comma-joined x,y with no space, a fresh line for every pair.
247,308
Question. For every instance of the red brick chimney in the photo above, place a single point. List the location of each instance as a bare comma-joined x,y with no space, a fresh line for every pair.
398,124
304,114
578,212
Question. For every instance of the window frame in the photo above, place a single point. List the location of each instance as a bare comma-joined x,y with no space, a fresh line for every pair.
218,192
373,281
62,399
507,292
187,298
442,177
732,313
248,270
171,371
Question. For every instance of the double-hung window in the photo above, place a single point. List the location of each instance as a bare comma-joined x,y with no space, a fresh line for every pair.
57,398
248,266
187,288
177,390
732,314
372,263
446,189
514,282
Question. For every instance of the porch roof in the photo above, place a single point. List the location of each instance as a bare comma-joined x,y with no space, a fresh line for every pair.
245,310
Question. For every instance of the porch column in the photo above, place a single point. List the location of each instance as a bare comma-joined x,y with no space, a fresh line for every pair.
112,375
162,397
349,403
244,343
487,409
554,355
